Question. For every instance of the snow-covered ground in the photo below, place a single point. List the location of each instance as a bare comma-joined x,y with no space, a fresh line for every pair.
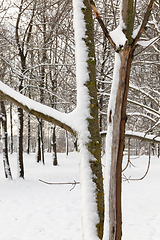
32,210
141,201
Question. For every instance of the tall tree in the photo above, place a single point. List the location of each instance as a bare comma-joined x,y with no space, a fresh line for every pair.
124,52
83,121
22,45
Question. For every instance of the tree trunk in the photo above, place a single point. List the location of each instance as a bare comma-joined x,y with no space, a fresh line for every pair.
20,144
89,138
54,145
38,148
66,133
115,141
29,134
7,169
11,127
41,140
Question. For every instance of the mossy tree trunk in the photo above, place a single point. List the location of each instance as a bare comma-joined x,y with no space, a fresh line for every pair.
94,142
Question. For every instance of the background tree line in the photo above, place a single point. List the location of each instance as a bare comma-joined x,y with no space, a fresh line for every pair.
37,55
40,35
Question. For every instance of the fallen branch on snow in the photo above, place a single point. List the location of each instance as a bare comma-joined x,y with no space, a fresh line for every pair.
60,183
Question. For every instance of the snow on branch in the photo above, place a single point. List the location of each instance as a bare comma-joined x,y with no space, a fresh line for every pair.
138,89
39,110
142,136
149,109
141,115
149,42
138,135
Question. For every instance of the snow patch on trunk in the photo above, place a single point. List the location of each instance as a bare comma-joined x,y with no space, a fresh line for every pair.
111,110
82,112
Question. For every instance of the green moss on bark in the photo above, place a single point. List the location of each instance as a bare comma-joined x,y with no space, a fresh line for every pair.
94,145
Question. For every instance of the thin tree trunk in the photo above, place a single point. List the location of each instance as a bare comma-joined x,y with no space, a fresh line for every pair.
7,169
41,140
54,145
38,148
11,129
75,145
29,134
20,144
20,135
66,133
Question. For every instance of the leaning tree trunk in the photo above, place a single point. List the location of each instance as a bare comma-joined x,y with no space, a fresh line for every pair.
7,169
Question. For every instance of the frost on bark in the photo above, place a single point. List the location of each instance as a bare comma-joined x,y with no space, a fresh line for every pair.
3,118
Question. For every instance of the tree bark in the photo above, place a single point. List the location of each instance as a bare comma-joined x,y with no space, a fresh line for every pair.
38,148
20,144
54,145
29,134
117,115
66,136
7,169
91,153
11,127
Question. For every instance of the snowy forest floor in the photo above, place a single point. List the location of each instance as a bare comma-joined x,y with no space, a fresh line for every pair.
32,210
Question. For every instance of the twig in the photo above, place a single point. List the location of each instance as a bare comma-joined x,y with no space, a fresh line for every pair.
62,183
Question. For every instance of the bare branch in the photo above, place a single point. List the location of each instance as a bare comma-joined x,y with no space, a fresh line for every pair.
137,179
74,183
104,29
144,23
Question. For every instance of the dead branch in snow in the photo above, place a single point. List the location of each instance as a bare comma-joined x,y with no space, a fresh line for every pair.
74,183
137,179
